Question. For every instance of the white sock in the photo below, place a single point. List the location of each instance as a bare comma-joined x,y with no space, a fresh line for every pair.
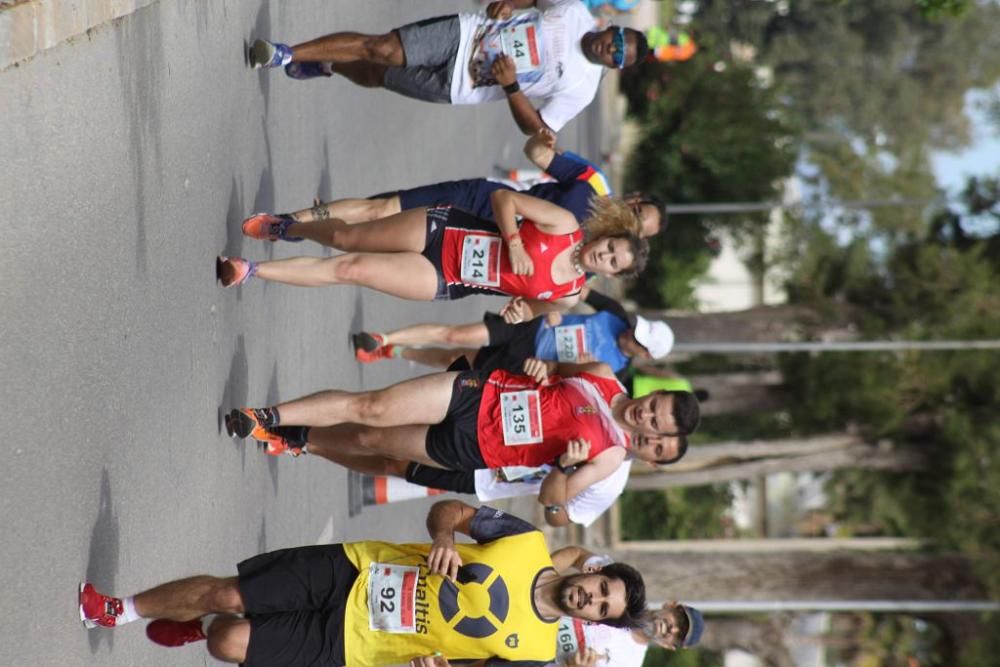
129,613
206,622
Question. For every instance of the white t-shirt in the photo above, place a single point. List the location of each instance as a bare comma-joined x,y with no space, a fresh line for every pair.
616,646
584,508
569,82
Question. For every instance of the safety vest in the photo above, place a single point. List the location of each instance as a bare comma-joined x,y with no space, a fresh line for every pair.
489,613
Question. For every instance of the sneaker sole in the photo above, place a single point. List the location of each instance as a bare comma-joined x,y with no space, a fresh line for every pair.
238,425
261,54
365,341
87,623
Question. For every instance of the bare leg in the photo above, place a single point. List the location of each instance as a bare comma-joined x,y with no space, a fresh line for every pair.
423,400
436,357
350,211
463,335
404,231
407,275
366,75
369,450
190,598
228,638
346,47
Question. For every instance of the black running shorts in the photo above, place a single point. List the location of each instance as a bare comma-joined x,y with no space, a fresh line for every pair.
295,601
454,443
510,344
459,481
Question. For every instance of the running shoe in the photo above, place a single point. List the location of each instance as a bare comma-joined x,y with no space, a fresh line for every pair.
174,633
232,271
246,423
278,445
365,357
269,54
369,342
303,71
267,227
97,609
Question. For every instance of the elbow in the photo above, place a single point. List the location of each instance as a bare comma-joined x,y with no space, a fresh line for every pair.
557,519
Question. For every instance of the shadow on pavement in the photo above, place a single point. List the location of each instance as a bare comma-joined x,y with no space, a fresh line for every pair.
234,394
102,560
273,398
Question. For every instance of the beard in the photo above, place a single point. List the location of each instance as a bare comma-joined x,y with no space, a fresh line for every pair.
565,586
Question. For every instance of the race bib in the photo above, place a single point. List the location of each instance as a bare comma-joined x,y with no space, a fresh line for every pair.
392,594
569,639
522,474
521,412
481,260
520,42
571,342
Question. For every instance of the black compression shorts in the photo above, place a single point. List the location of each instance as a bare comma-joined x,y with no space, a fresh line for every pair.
459,481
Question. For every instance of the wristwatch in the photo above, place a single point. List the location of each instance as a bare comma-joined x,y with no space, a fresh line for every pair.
512,88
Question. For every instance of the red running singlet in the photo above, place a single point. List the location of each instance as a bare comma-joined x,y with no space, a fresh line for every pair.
479,260
523,423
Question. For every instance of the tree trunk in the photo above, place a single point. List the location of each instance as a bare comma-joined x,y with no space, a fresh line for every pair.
793,576
764,639
729,462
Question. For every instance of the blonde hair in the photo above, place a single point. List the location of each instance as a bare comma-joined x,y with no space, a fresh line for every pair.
610,216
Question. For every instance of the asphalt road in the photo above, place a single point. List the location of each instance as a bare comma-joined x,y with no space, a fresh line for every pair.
128,158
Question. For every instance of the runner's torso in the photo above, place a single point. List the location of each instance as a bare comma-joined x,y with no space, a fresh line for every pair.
595,335
523,423
490,613
479,259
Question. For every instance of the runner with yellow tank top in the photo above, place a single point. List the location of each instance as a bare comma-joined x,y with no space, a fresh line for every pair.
374,604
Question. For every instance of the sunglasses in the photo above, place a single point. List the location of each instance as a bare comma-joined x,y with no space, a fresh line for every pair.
618,41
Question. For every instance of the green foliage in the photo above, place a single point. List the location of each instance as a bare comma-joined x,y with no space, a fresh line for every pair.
690,513
706,136
659,657
942,8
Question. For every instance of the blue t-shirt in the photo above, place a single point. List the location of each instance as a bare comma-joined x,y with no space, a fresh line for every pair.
596,334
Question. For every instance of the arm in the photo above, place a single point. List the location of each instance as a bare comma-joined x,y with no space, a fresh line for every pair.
444,519
541,148
571,556
601,302
524,112
558,487
550,218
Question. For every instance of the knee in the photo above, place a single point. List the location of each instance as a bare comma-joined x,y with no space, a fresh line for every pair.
343,237
453,336
223,595
384,49
370,408
347,269
228,639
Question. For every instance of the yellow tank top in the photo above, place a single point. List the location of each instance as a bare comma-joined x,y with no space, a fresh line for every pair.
490,612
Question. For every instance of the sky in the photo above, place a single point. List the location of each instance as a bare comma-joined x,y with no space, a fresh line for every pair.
981,157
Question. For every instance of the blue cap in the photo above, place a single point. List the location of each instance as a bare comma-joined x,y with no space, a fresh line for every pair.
696,625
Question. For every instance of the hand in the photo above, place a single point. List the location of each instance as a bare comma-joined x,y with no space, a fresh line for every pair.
516,311
500,9
444,559
538,369
504,70
430,661
554,318
543,140
585,657
519,260
577,451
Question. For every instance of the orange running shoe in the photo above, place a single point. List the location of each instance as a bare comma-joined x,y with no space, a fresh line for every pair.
267,227
231,271
278,445
246,423
380,353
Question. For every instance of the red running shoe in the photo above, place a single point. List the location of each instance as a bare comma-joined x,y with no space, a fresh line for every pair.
231,271
370,347
278,445
97,609
174,633
267,227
